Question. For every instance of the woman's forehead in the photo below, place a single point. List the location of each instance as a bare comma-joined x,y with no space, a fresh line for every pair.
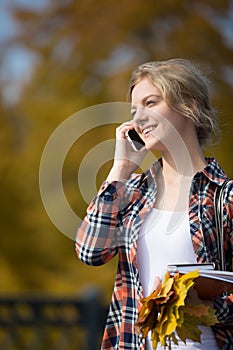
143,89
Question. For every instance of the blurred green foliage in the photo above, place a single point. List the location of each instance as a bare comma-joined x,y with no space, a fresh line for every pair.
85,53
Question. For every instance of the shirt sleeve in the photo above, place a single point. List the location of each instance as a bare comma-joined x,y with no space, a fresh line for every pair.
102,230
224,306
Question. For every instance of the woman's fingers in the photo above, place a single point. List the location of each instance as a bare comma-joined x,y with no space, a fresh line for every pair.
121,130
157,282
123,150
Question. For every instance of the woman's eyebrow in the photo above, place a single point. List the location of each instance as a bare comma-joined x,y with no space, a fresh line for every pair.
149,96
145,99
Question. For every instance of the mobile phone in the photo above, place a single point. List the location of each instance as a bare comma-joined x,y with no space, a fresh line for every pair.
134,139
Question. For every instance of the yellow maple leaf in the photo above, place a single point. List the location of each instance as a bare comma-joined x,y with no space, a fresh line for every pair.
164,311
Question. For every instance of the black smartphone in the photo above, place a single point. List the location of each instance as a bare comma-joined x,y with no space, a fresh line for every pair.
134,139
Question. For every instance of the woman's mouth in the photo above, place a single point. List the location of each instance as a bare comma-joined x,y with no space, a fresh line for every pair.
146,131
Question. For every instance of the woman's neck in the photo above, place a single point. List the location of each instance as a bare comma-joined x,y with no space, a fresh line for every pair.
174,181
172,171
184,162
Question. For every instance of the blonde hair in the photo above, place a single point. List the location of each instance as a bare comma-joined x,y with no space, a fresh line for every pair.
185,90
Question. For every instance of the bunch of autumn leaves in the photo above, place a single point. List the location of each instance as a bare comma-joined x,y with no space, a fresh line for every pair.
165,312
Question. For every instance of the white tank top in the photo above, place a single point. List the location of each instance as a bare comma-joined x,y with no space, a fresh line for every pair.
165,239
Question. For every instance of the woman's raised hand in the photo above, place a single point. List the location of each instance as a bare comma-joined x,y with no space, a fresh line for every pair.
126,160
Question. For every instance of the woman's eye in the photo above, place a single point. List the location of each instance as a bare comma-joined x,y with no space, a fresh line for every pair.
150,103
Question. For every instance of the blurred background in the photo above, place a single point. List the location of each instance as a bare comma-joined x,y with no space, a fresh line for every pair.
58,57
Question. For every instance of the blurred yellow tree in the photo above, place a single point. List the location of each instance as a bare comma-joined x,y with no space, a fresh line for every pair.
85,53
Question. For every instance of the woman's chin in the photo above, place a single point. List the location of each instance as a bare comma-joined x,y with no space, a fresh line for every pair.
155,146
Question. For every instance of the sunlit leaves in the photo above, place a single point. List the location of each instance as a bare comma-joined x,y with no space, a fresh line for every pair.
85,53
165,311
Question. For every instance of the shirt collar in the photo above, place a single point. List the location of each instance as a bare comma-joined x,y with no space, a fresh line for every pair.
213,171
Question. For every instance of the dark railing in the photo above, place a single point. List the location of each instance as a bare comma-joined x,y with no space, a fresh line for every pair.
45,322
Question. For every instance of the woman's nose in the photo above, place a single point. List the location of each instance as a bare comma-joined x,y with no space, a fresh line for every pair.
140,115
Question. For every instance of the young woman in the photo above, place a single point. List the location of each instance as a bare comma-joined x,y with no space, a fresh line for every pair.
166,214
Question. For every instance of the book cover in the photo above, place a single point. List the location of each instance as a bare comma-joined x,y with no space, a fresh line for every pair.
205,270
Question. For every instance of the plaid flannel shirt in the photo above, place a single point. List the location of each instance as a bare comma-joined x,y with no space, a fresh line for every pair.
112,226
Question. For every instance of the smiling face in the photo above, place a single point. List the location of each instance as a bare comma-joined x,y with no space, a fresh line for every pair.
154,120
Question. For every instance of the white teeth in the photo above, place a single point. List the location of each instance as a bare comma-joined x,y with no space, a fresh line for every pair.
145,131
